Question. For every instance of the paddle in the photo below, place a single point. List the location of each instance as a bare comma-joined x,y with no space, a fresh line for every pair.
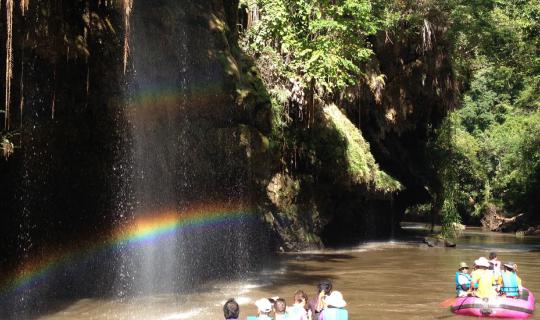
448,302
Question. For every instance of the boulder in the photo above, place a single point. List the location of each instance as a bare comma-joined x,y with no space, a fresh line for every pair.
439,242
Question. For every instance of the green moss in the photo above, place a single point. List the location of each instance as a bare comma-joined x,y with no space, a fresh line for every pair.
361,165
387,183
228,63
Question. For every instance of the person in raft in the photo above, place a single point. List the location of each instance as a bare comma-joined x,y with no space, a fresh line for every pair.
334,307
280,309
510,282
463,280
317,304
300,309
495,264
231,310
483,279
264,306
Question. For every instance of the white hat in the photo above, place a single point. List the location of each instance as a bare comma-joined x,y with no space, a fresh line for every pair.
335,299
482,262
263,305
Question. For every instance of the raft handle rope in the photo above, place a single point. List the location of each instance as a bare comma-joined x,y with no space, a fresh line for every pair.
462,302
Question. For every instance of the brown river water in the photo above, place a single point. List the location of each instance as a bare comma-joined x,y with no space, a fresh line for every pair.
379,280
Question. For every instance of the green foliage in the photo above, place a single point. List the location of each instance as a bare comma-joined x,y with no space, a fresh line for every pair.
450,217
321,43
500,37
491,97
461,172
308,51
488,149
500,164
516,146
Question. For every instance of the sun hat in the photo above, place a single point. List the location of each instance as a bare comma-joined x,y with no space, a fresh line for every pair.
335,299
510,265
482,262
463,265
263,305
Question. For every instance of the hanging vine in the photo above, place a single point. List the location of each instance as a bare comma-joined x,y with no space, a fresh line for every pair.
9,61
24,6
128,5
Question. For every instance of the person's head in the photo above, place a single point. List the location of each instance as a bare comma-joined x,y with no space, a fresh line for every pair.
301,298
231,310
264,306
492,255
481,263
280,306
510,266
463,267
326,286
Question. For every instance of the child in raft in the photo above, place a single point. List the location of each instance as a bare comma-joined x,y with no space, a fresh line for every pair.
300,309
264,307
280,309
495,264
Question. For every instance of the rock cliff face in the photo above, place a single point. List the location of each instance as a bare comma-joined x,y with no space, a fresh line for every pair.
189,108
399,113
335,193
71,173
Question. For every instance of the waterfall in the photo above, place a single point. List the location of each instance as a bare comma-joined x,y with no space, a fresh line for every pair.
177,113
139,187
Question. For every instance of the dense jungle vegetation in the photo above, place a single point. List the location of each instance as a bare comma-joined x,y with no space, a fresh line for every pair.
485,152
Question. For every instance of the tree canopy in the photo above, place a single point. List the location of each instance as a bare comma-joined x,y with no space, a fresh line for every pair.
489,148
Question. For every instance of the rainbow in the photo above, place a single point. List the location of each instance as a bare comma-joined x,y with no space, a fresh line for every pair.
156,96
144,229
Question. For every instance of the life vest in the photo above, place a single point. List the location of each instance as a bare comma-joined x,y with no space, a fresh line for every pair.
465,286
334,314
510,284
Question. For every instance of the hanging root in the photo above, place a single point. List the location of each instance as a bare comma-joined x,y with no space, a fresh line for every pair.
6,147
21,87
128,5
24,6
427,36
9,60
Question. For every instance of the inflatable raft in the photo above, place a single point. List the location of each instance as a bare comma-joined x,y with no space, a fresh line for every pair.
499,307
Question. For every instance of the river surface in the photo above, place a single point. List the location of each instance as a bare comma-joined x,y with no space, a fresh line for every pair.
379,280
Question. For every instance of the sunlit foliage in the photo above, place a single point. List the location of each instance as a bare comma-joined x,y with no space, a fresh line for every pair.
319,43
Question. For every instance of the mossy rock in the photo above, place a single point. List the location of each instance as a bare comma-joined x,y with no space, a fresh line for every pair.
358,163
439,241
